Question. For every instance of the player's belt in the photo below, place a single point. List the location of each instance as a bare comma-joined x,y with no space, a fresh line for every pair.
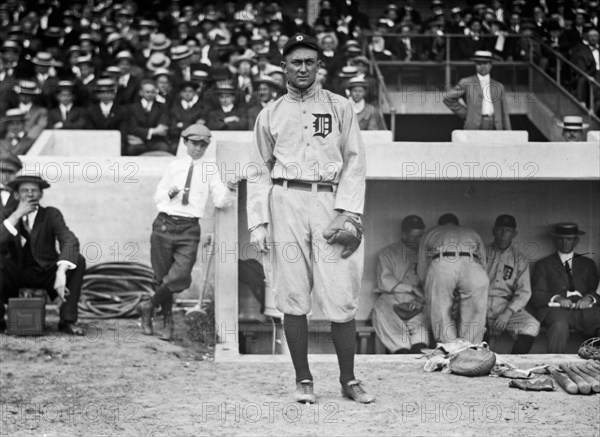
177,218
454,255
304,185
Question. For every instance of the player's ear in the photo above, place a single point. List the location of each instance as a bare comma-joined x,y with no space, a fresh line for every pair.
515,233
283,65
319,64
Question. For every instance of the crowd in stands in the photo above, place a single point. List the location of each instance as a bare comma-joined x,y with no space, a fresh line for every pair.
150,69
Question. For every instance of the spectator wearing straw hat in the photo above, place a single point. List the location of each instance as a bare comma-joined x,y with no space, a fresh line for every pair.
148,124
229,115
572,128
563,286
36,116
478,99
363,65
43,65
244,66
16,140
367,118
266,91
186,110
128,83
7,88
67,115
105,114
164,84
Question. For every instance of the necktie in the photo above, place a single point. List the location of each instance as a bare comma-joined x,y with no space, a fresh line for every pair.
188,182
569,276
27,224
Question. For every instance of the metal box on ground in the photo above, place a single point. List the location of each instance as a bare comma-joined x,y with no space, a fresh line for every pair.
26,316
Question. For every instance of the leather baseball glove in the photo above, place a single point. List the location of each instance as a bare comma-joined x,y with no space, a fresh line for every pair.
473,362
345,231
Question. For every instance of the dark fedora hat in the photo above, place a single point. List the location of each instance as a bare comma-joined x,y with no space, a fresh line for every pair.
566,230
34,179
505,221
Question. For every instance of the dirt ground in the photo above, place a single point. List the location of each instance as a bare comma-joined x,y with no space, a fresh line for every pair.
115,381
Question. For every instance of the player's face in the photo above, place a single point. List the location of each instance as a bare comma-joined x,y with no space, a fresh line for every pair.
300,67
503,236
196,148
412,237
566,244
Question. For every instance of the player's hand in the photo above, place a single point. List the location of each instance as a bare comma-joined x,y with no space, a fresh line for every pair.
173,191
259,237
161,130
501,321
564,302
58,125
584,303
60,282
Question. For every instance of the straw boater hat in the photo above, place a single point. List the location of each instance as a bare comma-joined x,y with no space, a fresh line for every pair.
348,71
14,114
226,88
158,60
28,87
566,230
180,52
43,59
355,82
482,56
159,42
11,45
113,37
241,59
573,122
105,84
161,72
86,59
267,80
200,76
124,54
65,85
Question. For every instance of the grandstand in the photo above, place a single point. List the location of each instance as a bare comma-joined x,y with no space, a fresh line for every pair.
422,162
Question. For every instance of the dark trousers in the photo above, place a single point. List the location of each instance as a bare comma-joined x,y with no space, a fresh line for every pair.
487,123
173,249
35,276
560,320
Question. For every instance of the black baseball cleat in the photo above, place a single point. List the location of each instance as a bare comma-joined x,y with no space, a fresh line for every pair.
146,311
2,326
305,392
355,391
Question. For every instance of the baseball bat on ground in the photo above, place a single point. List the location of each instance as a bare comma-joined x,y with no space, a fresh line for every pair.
579,368
563,380
592,370
582,385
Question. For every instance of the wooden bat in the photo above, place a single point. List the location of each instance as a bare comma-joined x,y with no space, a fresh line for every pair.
580,368
563,380
582,385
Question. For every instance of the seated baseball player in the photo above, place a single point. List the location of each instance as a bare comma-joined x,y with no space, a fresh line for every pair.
34,260
398,316
510,288
563,286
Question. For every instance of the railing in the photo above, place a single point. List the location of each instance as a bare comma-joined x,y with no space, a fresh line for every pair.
442,67
383,97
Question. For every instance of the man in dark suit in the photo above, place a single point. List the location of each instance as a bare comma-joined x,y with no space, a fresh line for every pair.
10,164
484,106
148,124
34,260
586,56
66,115
563,286
7,88
229,115
15,140
106,114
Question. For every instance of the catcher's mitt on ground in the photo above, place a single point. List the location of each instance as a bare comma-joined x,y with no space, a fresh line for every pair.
590,349
473,362
345,231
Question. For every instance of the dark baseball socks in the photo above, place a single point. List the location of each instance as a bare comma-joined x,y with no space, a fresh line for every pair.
344,341
296,334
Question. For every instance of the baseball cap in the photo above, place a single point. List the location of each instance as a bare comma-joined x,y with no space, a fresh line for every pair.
196,132
505,221
300,39
448,218
411,222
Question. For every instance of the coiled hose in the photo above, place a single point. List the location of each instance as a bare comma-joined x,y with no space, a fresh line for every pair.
115,289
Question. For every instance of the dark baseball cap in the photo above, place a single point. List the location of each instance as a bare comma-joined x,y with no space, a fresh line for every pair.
448,218
505,221
411,222
300,39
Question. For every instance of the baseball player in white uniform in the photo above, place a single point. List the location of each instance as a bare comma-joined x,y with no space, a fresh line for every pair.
310,185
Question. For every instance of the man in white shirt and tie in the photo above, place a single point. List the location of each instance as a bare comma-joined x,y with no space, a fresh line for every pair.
180,197
479,99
